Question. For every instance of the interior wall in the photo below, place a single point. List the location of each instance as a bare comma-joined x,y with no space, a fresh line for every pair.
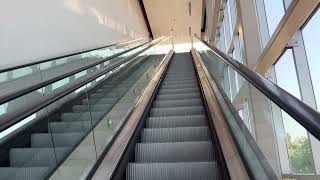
34,30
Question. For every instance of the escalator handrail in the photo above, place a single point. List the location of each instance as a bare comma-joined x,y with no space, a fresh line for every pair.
16,94
64,56
12,118
308,117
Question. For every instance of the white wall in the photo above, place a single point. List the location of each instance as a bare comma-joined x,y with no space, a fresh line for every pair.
32,30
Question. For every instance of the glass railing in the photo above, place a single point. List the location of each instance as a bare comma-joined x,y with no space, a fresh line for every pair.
64,139
14,79
257,120
12,109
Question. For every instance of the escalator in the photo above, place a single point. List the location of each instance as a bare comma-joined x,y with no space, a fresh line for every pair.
43,146
145,115
176,142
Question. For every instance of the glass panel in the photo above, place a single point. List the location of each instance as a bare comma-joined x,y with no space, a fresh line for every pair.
311,40
21,78
250,116
7,109
226,26
16,79
274,12
298,143
232,14
70,122
27,149
105,103
75,129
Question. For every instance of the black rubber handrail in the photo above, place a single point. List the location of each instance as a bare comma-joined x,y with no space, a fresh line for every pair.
59,57
308,117
12,118
16,94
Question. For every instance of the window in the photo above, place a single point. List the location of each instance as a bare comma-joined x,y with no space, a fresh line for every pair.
232,14
299,148
311,39
274,12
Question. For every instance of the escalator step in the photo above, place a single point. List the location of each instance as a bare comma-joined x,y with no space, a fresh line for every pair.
179,82
85,108
86,116
173,171
26,173
64,127
59,139
177,103
179,91
178,86
174,152
178,96
176,121
177,111
182,134
100,100
36,157
165,79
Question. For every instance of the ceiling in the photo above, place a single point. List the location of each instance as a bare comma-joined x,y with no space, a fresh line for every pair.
164,15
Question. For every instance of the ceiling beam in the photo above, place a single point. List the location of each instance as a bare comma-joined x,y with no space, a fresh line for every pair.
296,15
146,20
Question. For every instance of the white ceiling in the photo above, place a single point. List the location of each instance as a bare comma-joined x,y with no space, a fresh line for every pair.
164,15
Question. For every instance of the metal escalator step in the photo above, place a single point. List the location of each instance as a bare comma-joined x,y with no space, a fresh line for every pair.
114,90
64,127
103,95
25,173
176,121
100,100
179,91
85,108
175,152
36,157
59,139
86,116
181,134
179,82
178,86
177,103
109,86
173,171
178,96
174,73
165,79
177,111
171,79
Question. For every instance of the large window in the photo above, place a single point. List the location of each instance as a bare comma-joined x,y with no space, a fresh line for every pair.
311,39
274,12
299,149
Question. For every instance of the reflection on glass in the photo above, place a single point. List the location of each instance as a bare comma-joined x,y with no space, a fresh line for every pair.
72,132
299,149
256,117
232,11
311,39
274,11
27,76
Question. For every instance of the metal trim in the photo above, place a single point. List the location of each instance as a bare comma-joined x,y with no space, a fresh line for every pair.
236,168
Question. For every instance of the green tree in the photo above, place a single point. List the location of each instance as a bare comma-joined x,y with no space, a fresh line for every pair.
300,155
